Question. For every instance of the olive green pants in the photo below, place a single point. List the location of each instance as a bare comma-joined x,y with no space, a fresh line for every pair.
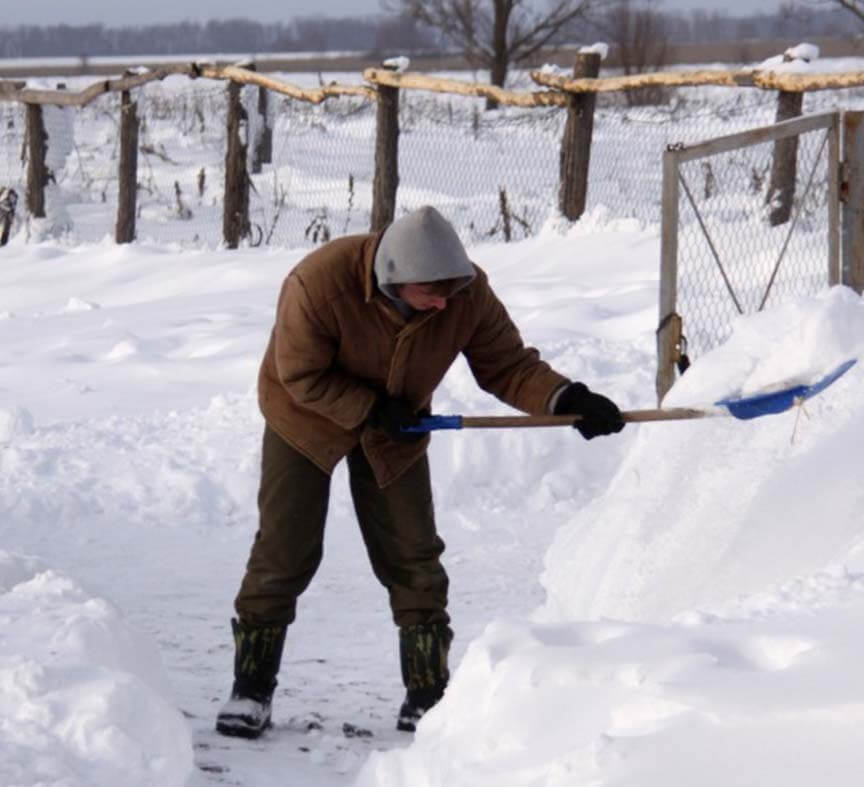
397,523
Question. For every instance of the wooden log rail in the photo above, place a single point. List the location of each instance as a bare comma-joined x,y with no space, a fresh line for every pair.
562,85
766,80
312,95
557,96
13,91
17,91
543,98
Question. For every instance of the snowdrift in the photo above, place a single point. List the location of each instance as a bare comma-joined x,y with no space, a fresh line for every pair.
83,699
703,614
702,512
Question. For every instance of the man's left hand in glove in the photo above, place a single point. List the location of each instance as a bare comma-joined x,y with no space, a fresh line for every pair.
600,415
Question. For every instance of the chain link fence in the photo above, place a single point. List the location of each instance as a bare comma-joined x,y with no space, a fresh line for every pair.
495,175
750,220
731,260
319,183
12,146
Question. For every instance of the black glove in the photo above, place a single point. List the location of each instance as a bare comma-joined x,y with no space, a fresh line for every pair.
599,414
390,414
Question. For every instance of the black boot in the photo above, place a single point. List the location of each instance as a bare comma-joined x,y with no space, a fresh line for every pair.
257,655
423,652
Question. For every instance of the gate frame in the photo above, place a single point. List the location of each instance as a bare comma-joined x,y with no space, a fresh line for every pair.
670,351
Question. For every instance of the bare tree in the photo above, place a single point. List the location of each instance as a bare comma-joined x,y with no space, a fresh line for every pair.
638,33
855,7
495,34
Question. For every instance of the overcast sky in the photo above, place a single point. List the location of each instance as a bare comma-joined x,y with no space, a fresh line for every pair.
115,13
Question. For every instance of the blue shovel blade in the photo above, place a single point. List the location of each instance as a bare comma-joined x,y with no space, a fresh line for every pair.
779,401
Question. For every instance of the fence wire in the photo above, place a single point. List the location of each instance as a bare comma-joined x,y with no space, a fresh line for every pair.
732,258
12,136
495,174
319,183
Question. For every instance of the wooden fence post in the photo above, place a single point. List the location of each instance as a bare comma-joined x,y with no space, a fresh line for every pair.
264,143
386,179
235,216
784,165
576,142
852,239
669,324
37,171
8,206
127,192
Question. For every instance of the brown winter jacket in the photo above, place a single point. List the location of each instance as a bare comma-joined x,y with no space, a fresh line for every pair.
338,343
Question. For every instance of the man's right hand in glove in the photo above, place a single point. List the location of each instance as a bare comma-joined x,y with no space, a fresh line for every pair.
599,414
390,414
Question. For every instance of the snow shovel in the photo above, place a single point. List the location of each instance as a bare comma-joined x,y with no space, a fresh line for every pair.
743,408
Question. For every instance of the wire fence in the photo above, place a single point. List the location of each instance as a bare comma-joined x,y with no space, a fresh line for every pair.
12,146
493,174
732,257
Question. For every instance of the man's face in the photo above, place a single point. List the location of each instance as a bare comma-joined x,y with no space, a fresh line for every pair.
421,297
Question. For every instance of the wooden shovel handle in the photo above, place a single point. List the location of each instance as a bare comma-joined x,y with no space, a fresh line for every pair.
629,416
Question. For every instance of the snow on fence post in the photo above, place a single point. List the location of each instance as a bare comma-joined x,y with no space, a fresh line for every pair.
127,191
576,141
386,179
235,215
852,189
37,171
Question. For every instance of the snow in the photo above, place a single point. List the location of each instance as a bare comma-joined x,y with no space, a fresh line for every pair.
806,52
83,699
678,604
398,64
793,344
677,622
599,48
795,60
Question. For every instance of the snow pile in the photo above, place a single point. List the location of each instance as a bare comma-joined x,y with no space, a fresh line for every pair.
714,703
716,541
794,343
705,523
83,699
14,422
79,305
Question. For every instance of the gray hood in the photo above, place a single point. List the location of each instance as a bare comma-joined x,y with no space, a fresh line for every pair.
420,247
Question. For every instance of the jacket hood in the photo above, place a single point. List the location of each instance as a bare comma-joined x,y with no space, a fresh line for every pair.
420,247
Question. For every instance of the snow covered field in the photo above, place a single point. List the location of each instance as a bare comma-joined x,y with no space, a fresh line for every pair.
679,599
676,605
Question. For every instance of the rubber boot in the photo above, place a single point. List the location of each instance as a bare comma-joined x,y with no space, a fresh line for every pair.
423,653
257,655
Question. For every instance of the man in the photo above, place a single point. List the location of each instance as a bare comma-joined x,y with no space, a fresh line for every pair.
366,328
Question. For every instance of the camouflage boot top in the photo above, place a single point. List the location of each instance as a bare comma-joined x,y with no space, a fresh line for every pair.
423,651
257,655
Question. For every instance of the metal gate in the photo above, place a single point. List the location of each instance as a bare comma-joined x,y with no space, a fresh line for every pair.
749,220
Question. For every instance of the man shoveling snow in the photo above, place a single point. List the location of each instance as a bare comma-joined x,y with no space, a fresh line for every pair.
366,328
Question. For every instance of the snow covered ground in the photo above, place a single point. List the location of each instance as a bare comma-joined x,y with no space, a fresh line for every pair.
677,604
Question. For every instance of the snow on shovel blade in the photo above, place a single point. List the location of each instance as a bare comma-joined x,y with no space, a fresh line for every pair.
779,401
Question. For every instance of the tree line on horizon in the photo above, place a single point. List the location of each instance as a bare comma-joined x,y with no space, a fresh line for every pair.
382,33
